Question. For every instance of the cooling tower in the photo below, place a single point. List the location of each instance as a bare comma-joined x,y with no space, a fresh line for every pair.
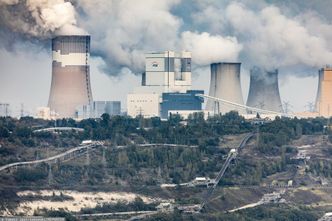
264,90
324,94
70,85
225,84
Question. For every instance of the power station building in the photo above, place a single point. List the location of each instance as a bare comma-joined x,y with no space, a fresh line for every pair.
70,85
225,84
143,104
165,72
324,94
177,102
264,90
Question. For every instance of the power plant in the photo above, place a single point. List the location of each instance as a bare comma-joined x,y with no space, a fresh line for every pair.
70,85
324,93
225,84
264,90
165,87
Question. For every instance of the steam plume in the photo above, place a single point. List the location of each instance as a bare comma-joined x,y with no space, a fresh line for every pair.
277,35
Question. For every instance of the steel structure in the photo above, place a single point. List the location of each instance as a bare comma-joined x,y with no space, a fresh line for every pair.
69,154
225,84
231,155
264,90
70,85
220,102
4,109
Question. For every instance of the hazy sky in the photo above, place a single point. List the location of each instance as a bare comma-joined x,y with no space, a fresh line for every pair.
294,37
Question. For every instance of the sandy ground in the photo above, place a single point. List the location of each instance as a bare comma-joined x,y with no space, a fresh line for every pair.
80,200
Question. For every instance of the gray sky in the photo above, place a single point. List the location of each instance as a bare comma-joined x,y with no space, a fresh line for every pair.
294,37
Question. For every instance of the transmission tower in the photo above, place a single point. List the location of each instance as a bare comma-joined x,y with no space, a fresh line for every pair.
4,107
22,110
310,106
287,107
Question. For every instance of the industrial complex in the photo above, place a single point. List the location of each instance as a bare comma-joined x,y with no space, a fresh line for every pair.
166,88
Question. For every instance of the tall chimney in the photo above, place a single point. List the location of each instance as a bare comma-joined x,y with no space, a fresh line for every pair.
324,94
70,85
225,84
264,90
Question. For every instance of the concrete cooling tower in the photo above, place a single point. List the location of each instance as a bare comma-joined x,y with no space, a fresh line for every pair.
264,90
70,85
225,84
324,94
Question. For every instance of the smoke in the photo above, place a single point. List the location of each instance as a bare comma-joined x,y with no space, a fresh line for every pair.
255,32
269,76
122,31
134,29
208,49
272,40
38,19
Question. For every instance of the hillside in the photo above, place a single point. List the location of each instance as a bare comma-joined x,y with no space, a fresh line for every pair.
282,151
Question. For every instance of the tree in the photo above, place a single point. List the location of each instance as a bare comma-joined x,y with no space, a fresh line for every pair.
4,132
123,158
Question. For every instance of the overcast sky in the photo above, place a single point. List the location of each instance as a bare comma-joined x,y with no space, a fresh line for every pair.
293,37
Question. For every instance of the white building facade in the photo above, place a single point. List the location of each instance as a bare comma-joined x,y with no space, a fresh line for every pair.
146,105
165,72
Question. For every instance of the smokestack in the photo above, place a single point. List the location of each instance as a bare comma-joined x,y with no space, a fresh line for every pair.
225,84
324,94
264,90
70,74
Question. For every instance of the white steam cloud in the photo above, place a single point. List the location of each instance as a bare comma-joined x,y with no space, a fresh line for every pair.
208,49
39,18
122,31
134,29
248,31
271,39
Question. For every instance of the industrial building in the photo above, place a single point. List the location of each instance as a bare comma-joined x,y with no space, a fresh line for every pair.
70,85
167,76
177,102
98,108
146,105
324,94
225,84
264,90
166,72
